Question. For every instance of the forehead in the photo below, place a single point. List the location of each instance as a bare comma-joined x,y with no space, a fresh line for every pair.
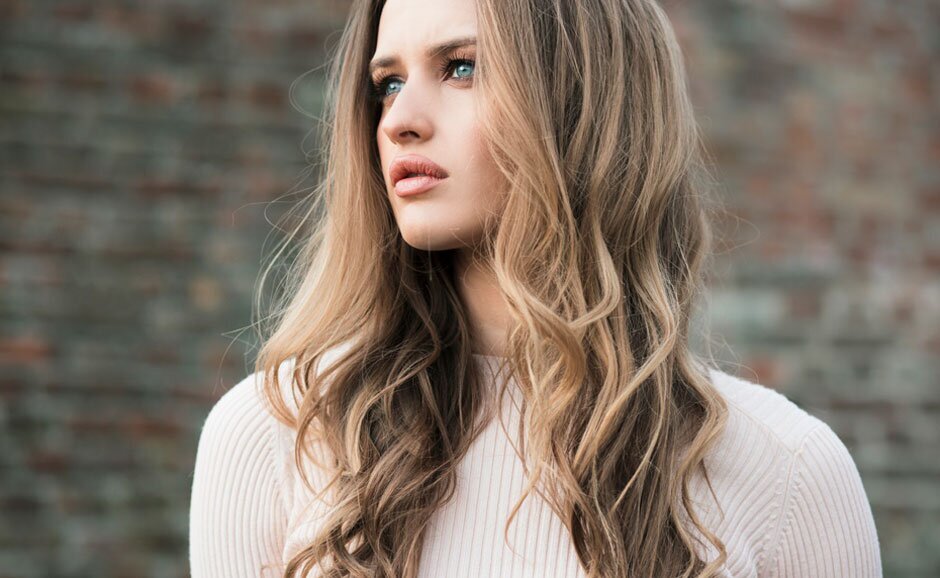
408,26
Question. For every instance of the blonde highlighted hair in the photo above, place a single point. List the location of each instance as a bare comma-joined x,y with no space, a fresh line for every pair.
599,252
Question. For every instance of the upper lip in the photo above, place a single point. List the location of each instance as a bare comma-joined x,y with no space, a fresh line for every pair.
406,165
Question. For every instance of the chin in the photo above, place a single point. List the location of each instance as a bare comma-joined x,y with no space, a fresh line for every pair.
437,240
433,238
426,244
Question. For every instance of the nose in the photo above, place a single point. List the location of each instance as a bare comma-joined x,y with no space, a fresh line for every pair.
407,118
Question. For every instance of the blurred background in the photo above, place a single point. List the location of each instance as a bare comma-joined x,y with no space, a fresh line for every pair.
145,148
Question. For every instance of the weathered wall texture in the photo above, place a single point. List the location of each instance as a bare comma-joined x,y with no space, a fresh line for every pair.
140,145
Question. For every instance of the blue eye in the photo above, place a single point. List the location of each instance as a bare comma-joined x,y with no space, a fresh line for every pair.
379,86
384,86
463,63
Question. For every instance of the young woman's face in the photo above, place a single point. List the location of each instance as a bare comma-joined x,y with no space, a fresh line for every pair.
428,108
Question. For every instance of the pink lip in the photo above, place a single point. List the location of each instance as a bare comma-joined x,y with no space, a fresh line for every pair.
415,185
414,174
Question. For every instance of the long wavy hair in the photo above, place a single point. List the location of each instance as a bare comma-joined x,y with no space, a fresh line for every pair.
599,254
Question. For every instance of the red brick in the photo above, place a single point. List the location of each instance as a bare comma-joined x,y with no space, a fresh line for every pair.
24,349
153,88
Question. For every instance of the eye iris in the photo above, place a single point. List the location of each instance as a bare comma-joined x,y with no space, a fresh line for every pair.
465,64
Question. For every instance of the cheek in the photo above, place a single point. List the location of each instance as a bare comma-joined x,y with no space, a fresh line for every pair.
490,181
482,198
383,148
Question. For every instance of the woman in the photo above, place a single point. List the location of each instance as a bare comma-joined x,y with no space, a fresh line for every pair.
511,209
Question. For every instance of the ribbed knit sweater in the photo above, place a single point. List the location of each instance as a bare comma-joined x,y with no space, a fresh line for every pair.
793,500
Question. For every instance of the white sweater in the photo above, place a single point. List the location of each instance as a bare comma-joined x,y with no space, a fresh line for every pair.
793,500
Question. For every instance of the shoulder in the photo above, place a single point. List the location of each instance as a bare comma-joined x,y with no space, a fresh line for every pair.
244,403
771,455
762,419
245,411
247,397
762,414
766,433
819,521
241,430
239,427
240,497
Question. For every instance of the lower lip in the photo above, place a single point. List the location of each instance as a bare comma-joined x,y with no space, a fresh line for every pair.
415,185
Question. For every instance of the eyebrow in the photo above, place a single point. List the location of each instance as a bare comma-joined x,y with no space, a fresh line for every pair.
432,52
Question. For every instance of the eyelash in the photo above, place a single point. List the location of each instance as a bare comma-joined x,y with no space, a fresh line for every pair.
378,85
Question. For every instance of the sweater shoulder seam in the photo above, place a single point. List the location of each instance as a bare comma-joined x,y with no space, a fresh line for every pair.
783,506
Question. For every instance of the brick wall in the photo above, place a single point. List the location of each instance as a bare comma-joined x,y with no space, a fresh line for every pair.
140,145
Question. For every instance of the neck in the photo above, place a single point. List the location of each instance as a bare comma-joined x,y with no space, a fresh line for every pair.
485,307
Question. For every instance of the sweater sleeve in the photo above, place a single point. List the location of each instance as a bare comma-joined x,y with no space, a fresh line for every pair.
827,529
237,517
